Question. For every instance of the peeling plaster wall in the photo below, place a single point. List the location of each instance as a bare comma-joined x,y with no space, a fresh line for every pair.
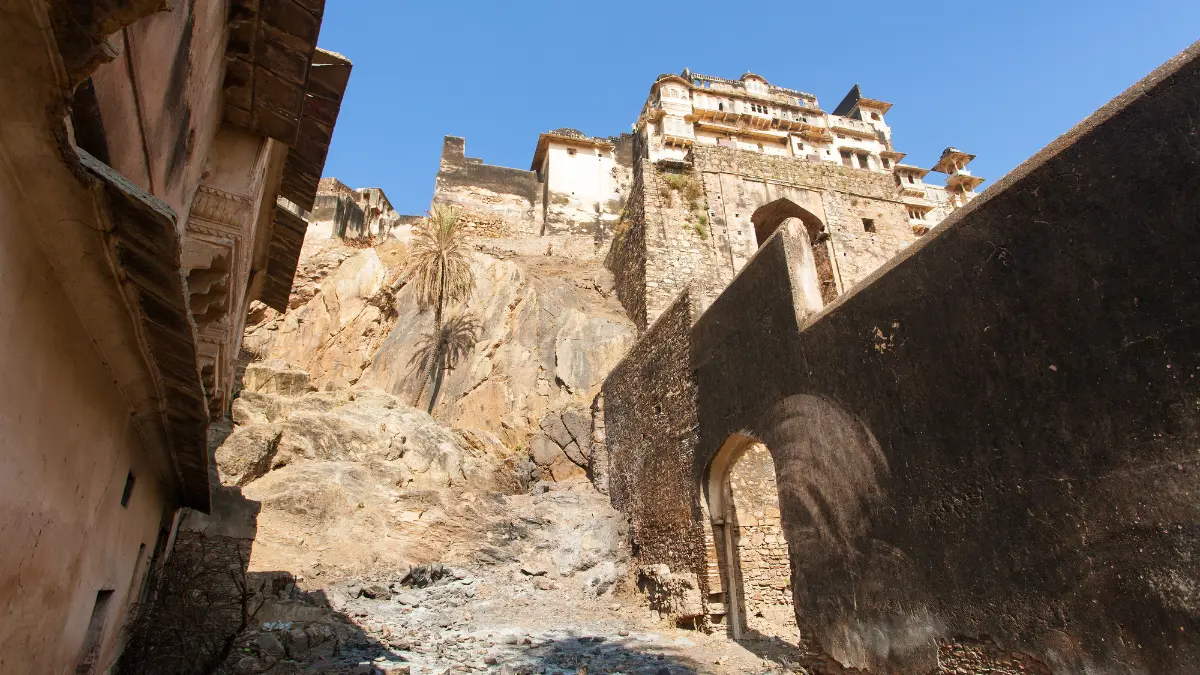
586,189
68,444
160,99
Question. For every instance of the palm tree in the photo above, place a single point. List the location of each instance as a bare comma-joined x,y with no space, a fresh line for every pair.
442,275
441,265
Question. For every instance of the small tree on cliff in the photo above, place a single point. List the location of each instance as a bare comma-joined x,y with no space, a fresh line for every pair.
442,276
441,265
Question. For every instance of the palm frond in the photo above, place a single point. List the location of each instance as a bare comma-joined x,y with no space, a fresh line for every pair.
440,261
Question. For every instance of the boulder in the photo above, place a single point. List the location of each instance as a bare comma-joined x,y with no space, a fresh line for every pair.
575,454
248,453
269,643
275,376
375,592
579,425
564,469
544,451
554,428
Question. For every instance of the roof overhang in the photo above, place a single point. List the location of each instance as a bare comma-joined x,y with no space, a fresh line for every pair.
950,155
909,168
881,106
545,139
966,180
328,76
283,257
146,252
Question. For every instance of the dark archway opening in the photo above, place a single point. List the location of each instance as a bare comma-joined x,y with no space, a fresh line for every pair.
768,217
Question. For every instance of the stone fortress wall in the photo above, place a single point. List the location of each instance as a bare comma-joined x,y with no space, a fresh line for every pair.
988,438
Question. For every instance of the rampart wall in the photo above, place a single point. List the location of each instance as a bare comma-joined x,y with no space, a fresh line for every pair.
994,436
650,479
496,201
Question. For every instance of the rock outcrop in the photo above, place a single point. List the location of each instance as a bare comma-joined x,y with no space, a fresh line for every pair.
353,479
549,329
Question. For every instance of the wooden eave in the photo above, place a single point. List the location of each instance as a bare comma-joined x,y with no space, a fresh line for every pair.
881,106
147,251
329,73
267,62
283,257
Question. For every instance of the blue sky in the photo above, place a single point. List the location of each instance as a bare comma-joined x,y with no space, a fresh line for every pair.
994,78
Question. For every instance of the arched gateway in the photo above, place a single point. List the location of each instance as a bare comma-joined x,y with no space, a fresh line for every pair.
769,217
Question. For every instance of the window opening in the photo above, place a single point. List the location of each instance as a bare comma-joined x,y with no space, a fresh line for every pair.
868,224
847,158
864,161
89,654
128,491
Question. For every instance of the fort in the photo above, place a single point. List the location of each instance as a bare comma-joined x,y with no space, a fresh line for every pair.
742,362
712,167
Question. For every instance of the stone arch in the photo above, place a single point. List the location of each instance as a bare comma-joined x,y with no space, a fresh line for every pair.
768,217
771,216
832,475
745,543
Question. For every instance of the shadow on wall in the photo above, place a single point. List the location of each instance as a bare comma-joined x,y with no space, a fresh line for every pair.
832,476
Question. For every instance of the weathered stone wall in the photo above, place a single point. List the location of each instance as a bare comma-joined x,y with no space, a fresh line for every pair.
496,201
995,437
702,240
627,251
680,249
761,548
650,422
738,182
339,214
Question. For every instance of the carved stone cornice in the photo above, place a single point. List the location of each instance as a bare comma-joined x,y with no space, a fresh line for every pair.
220,207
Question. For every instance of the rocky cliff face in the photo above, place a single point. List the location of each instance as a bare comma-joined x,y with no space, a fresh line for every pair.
548,329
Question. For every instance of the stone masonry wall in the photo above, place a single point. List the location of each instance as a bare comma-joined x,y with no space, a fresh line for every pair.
680,249
627,251
703,240
496,201
650,408
761,548
997,437
738,182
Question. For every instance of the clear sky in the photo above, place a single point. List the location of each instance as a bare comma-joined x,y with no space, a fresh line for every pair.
996,78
